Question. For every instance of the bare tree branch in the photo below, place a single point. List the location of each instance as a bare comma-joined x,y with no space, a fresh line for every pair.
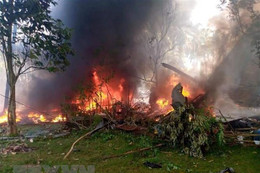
146,80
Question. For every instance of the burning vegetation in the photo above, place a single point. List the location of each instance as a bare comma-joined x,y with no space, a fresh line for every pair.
97,92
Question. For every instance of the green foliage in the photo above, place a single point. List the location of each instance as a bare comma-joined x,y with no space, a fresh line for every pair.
238,10
93,149
170,167
107,136
144,141
44,41
191,130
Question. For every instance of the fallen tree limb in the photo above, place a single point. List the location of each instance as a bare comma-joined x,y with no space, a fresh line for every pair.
133,151
83,136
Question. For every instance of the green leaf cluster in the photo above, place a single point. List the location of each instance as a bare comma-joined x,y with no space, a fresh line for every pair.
192,130
44,41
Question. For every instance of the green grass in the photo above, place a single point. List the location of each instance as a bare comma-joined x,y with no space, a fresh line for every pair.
91,151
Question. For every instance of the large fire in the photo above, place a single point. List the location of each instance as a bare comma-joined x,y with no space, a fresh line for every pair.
34,117
104,95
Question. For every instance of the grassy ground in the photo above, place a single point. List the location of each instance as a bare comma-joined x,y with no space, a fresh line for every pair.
92,151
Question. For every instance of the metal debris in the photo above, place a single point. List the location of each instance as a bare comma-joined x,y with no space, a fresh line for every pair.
227,170
178,100
152,165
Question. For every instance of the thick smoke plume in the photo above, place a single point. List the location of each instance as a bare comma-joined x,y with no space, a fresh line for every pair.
104,34
113,35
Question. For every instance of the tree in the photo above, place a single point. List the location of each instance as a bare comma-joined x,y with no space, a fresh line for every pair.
42,43
246,15
159,39
239,9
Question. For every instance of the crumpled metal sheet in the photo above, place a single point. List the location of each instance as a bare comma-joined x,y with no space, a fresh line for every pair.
178,100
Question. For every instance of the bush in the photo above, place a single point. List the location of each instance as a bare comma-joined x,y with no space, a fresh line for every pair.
194,131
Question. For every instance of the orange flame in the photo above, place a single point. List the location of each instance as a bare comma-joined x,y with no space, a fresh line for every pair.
185,93
36,118
105,95
162,103
39,118
4,118
59,118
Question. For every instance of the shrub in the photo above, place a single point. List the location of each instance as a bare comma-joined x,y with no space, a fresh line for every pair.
193,130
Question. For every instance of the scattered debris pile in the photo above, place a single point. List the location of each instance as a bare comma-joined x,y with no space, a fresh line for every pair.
16,148
132,118
30,132
3,130
245,131
193,129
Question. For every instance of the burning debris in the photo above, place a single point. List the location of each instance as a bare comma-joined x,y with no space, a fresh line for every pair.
181,126
248,126
178,100
192,129
98,92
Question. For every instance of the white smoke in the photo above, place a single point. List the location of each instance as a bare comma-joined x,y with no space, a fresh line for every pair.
3,82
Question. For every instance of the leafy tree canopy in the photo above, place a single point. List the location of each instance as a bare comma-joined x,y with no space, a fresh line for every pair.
43,40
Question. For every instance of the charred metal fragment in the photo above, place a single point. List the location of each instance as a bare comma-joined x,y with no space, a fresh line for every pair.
184,75
197,101
178,100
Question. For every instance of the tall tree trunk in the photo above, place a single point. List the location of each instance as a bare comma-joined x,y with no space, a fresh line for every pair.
11,77
12,82
12,110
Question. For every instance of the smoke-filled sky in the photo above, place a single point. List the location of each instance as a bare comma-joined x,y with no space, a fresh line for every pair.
104,32
112,33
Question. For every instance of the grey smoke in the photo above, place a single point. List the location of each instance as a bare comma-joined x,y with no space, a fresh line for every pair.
104,33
